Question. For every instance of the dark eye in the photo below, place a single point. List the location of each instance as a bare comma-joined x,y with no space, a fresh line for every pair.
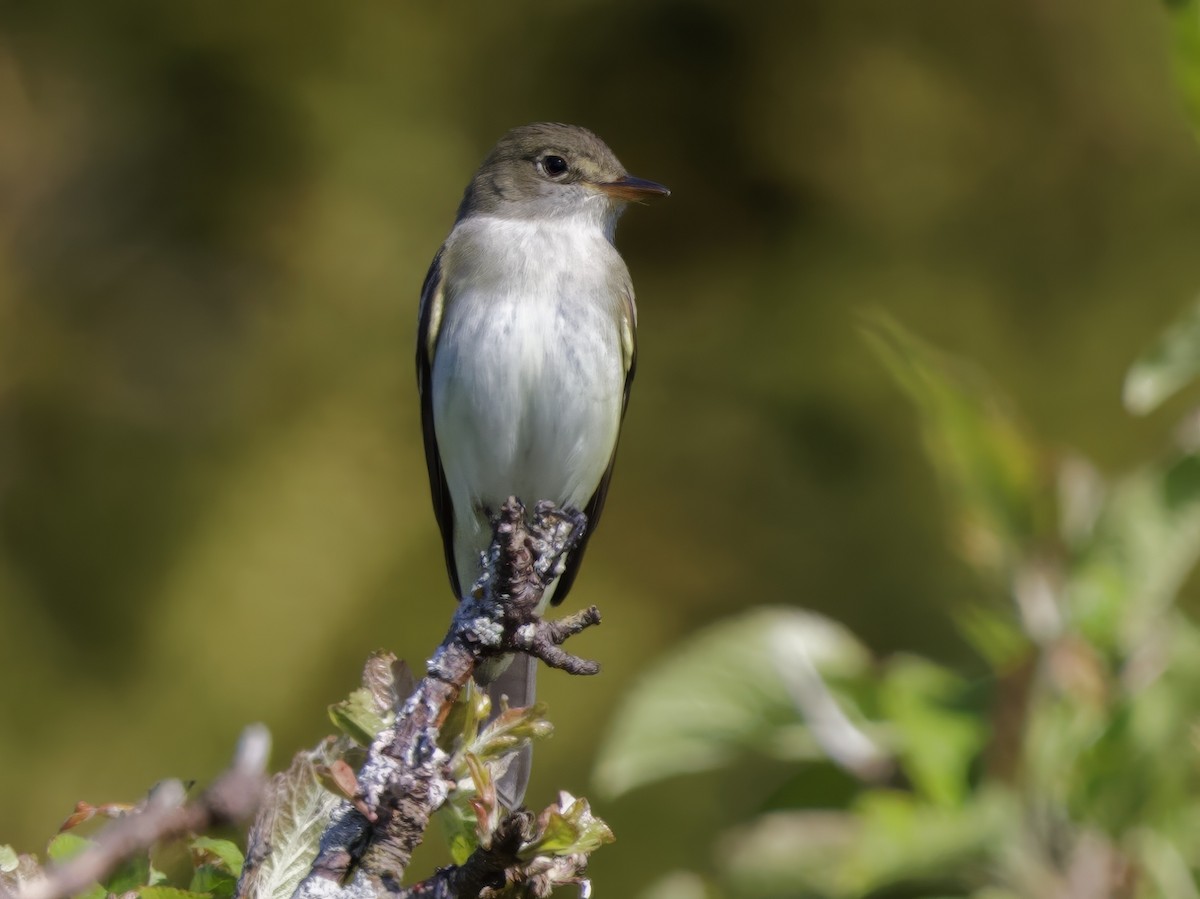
554,166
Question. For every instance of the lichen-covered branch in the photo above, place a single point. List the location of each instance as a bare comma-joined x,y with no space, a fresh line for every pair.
233,797
367,847
484,870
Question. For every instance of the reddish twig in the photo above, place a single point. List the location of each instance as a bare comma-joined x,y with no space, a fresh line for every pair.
233,797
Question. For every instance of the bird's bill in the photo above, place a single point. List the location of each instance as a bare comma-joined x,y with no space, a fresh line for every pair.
631,188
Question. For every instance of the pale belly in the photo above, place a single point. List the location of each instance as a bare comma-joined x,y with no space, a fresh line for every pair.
527,396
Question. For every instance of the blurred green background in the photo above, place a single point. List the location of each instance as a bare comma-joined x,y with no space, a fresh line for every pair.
214,222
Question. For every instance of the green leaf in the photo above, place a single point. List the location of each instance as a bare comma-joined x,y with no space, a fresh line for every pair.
66,846
379,678
465,719
483,801
357,717
293,815
8,859
1174,359
993,474
591,832
567,828
458,824
508,733
160,892
226,851
130,875
938,738
213,881
727,691
557,837
370,708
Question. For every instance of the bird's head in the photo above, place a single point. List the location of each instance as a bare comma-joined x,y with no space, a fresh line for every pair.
548,170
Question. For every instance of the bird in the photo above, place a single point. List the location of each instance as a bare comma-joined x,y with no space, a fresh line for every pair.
526,350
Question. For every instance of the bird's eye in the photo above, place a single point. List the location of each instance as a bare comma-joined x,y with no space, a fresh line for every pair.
554,166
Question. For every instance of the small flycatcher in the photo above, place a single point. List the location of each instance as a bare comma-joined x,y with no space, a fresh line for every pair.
526,349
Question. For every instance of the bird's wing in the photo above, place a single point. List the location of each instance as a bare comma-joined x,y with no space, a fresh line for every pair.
429,325
596,504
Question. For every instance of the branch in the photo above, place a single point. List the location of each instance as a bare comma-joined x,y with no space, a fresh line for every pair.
516,862
486,867
232,798
368,845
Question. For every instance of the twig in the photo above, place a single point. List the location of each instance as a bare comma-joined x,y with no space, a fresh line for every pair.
484,869
367,848
233,797
506,867
544,638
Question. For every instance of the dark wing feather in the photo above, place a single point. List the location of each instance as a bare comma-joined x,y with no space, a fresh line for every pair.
596,504
432,299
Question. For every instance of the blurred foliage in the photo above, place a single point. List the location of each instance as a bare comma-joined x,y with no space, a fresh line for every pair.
1169,365
695,715
214,223
211,870
1073,770
981,453
303,802
1185,31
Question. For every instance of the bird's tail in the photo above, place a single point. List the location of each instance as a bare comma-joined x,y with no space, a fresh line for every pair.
518,682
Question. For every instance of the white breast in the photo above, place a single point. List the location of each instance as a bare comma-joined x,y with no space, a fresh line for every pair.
528,375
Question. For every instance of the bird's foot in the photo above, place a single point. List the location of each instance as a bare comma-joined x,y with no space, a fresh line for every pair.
557,532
